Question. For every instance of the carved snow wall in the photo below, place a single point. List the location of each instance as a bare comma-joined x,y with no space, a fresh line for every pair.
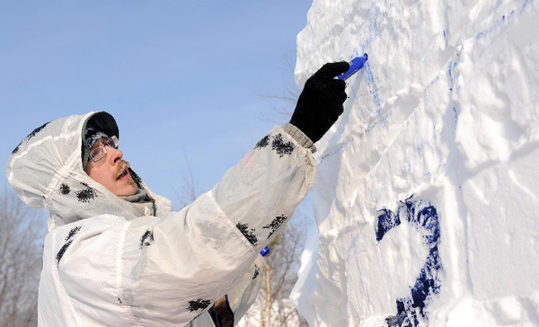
427,198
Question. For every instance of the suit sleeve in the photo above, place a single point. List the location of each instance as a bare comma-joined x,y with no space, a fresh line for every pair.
261,192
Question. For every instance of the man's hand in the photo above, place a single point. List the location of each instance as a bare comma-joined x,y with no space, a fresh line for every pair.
321,102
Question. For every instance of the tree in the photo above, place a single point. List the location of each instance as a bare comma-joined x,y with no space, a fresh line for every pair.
22,230
285,102
272,308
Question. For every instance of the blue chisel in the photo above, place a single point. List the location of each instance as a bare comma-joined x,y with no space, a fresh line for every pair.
355,65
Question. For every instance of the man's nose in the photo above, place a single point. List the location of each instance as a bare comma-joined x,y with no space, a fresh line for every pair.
115,154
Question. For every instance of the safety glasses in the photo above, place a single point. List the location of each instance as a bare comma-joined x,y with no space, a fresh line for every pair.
100,152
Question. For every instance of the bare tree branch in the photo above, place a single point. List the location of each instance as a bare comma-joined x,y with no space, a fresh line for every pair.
283,104
20,261
190,189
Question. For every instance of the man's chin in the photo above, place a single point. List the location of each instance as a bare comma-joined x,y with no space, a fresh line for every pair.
133,186
130,188
132,183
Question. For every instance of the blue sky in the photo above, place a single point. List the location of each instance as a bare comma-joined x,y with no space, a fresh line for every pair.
183,79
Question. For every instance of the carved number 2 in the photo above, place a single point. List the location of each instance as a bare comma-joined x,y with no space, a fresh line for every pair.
425,218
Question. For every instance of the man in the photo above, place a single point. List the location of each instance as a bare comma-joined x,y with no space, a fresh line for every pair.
115,254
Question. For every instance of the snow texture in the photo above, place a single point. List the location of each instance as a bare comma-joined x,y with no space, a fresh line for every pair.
427,197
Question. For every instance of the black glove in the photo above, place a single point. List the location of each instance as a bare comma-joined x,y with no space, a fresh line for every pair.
321,101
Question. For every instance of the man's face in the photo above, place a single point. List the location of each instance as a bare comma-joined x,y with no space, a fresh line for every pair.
111,171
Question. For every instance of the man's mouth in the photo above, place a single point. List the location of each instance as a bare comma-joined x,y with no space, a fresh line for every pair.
123,170
123,174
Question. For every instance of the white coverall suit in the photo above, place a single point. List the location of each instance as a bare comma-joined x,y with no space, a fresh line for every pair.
110,262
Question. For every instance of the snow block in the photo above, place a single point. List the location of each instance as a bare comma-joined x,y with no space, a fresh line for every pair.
427,195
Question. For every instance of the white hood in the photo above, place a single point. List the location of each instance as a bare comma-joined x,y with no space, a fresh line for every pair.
46,170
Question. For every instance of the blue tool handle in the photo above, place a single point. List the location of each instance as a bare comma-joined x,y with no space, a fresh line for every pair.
355,65
264,251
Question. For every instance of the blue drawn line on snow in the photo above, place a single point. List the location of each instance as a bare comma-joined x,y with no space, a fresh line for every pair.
503,23
373,28
453,63
336,151
373,33
449,71
382,120
424,217
374,91
489,30
456,114
352,247
432,82
452,72
345,143
374,12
